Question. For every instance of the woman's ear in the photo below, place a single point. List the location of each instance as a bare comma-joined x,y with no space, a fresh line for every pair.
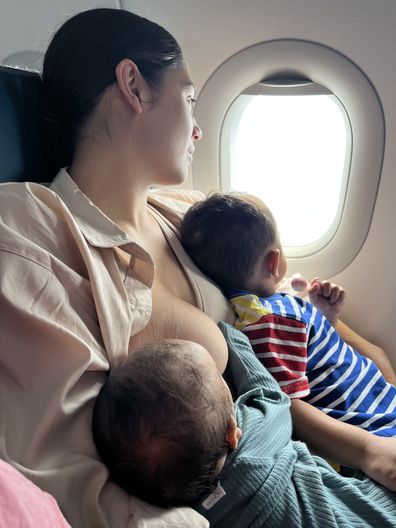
130,82
233,433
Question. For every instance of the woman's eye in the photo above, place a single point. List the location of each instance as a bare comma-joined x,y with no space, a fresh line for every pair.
192,100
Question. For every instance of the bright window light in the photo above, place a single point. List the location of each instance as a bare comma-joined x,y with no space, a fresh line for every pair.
290,151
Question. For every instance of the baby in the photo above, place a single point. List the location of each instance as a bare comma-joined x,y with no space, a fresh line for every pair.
165,424
233,238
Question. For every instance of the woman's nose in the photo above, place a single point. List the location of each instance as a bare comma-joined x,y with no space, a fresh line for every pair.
197,132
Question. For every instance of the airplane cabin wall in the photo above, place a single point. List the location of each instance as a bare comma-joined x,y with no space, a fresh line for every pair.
210,31
29,25
365,31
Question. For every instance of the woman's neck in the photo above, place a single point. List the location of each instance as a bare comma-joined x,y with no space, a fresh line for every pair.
114,185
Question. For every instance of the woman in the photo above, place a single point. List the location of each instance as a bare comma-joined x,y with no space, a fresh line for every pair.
93,267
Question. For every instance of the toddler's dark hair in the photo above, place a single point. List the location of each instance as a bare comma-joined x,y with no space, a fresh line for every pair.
158,427
225,235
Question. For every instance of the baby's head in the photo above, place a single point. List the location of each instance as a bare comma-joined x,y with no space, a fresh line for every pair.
163,422
233,238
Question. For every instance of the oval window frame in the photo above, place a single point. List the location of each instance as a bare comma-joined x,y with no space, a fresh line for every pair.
329,68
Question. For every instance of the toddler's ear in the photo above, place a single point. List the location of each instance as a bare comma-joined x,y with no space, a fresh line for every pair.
233,433
273,258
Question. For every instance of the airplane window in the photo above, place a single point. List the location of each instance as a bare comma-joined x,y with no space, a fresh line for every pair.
318,164
290,146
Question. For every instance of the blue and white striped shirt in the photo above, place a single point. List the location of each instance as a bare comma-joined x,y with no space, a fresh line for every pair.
339,380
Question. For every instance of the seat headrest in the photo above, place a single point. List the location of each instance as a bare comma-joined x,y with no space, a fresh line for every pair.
20,126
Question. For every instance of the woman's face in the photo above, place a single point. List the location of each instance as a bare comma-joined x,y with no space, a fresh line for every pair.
170,128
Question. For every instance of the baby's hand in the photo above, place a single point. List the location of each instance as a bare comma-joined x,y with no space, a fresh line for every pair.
328,298
379,460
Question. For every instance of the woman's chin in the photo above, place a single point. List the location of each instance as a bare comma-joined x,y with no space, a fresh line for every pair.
175,178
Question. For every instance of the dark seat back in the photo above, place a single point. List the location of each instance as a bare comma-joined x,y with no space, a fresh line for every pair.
21,155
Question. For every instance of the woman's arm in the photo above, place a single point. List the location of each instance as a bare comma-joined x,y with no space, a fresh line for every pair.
346,444
329,298
367,349
51,367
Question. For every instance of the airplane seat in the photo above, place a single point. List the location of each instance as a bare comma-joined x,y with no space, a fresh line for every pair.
21,120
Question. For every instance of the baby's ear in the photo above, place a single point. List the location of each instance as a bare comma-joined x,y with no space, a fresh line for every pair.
233,433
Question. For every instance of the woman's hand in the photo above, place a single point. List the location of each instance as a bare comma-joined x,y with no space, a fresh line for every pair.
328,298
379,460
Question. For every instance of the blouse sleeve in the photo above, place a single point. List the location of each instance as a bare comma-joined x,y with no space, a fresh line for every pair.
52,364
51,371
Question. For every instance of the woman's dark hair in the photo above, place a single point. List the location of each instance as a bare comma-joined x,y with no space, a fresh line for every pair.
80,64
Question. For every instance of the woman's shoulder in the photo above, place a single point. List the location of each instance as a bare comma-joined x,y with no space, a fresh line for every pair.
14,195
25,206
31,216
174,202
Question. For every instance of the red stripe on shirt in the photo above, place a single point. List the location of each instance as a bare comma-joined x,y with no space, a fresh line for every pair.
296,351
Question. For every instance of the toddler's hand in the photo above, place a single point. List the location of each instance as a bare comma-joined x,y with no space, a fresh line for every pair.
328,298
379,460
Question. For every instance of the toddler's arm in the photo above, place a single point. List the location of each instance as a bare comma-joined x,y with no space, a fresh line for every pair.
367,349
346,444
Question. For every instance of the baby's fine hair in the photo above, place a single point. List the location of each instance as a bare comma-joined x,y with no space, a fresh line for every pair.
158,427
226,234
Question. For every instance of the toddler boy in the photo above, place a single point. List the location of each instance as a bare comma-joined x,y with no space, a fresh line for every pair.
233,238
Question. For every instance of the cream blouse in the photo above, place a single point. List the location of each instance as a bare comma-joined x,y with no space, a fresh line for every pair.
66,317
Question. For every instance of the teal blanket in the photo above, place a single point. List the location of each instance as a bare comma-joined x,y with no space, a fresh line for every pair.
272,481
